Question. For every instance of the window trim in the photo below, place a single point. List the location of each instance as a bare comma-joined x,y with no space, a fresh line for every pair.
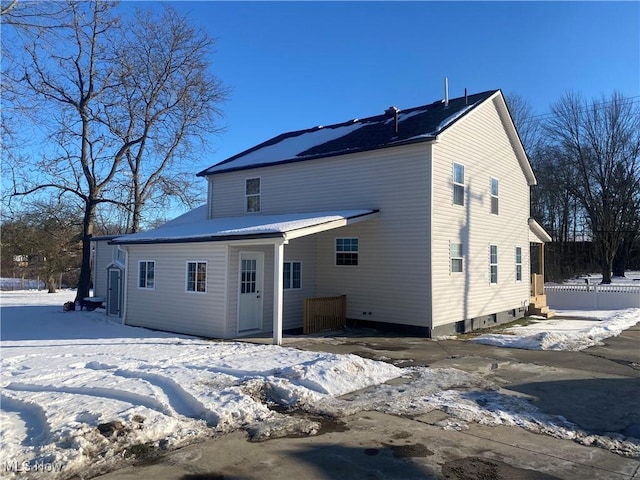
452,258
518,263
493,265
458,184
291,275
495,196
356,252
252,195
196,282
146,278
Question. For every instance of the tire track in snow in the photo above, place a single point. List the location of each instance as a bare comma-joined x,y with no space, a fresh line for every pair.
32,415
110,393
180,400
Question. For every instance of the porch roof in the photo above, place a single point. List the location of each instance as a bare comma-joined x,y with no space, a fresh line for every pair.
537,234
195,227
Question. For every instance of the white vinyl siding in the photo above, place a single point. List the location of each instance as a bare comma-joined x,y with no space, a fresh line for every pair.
103,256
164,307
478,140
302,251
366,180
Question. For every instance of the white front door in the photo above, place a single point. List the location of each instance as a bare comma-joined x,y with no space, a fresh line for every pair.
250,291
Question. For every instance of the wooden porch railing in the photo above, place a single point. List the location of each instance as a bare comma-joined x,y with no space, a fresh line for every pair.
537,284
324,313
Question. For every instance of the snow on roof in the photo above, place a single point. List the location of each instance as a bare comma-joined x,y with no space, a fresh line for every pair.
193,226
418,124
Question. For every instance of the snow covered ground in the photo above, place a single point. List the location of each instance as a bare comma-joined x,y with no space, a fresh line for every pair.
569,331
82,393
565,332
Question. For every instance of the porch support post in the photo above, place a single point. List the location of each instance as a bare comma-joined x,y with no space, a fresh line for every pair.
541,256
278,257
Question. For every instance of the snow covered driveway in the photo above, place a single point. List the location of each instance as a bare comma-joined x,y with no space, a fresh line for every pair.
87,388
82,393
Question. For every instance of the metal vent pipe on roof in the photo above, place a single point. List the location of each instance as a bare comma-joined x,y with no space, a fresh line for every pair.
393,111
446,92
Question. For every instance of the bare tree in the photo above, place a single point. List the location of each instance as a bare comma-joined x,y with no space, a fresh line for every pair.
72,82
65,78
169,101
599,143
44,241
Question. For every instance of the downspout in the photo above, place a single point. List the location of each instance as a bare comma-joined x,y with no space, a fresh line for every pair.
125,282
278,284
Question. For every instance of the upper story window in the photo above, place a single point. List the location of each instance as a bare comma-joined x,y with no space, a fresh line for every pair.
252,194
493,264
292,273
455,252
146,274
197,277
347,251
494,196
458,184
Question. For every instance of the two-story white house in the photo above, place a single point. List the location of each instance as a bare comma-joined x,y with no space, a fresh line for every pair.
419,216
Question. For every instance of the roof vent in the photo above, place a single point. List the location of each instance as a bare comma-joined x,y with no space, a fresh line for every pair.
446,92
393,111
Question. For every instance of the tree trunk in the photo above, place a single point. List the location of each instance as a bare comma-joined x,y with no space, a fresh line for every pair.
137,216
50,283
620,262
84,281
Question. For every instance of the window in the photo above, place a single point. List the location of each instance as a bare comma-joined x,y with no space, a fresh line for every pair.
455,252
493,263
518,264
346,251
494,196
252,193
292,274
146,274
197,277
458,184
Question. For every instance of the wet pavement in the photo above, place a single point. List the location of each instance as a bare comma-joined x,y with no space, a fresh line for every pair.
598,389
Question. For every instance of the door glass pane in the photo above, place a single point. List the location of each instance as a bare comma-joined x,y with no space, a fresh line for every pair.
248,276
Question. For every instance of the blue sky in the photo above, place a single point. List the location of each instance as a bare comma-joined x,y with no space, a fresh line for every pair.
295,65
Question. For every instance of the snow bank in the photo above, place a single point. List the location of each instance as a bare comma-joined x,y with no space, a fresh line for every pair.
565,334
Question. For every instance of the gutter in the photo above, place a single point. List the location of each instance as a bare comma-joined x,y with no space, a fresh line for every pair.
200,239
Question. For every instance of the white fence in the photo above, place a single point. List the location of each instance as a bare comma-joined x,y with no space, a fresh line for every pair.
602,297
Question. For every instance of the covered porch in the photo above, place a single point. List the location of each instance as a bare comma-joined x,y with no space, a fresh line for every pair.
538,299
